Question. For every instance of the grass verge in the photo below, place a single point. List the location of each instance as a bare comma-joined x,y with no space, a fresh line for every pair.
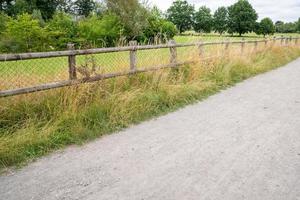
36,124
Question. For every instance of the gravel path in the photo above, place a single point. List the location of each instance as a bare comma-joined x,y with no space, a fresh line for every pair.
243,143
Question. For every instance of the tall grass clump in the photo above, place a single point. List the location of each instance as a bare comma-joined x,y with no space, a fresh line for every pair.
35,124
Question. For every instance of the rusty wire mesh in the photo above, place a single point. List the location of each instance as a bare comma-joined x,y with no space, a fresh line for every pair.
35,72
27,73
152,58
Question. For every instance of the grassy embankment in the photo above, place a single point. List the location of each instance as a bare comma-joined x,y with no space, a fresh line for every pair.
34,125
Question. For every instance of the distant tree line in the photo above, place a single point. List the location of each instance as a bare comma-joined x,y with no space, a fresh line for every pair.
42,25
290,27
239,18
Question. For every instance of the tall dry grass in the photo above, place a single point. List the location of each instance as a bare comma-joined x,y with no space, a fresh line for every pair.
35,124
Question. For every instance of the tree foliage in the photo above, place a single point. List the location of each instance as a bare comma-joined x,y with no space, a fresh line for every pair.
62,29
220,20
203,20
181,14
265,27
241,17
84,7
281,27
133,16
31,38
95,31
3,21
159,29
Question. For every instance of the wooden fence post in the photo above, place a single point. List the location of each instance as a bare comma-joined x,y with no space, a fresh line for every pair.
72,62
266,43
274,41
243,46
133,61
255,45
200,49
227,47
281,40
173,53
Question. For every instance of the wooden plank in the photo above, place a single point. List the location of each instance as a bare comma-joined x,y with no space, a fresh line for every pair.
243,46
26,56
61,84
201,50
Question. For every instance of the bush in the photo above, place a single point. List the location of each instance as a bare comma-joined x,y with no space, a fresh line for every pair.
62,30
168,29
159,30
3,21
94,31
23,34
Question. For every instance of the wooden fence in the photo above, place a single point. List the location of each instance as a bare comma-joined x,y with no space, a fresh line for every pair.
132,49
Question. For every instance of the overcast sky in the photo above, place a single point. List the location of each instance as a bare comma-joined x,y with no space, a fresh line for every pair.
286,10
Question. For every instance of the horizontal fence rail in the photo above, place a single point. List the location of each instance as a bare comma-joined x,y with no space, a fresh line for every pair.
78,73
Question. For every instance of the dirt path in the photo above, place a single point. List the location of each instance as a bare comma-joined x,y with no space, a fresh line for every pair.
243,143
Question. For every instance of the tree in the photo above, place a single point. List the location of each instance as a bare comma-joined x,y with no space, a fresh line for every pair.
265,27
158,29
15,7
181,14
241,17
6,6
19,7
66,6
203,20
279,26
298,25
47,7
282,27
84,7
132,14
36,14
220,21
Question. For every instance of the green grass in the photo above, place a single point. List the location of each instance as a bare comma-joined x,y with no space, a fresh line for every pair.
37,124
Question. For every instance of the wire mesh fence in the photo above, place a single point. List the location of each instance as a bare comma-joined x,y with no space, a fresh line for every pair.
32,72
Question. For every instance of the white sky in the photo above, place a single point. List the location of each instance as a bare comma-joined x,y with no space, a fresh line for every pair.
285,10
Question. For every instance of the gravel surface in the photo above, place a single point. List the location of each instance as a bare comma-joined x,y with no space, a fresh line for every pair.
243,143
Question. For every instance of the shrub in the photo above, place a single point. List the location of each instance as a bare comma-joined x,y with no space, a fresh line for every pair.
23,34
159,29
3,21
95,31
62,30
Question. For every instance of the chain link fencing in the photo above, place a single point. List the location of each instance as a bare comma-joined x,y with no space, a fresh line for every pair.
32,72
